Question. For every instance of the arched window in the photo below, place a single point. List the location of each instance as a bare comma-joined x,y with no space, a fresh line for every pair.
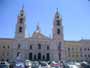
57,16
58,22
48,56
19,46
30,56
58,31
48,47
39,46
68,49
39,56
21,20
3,46
31,47
20,29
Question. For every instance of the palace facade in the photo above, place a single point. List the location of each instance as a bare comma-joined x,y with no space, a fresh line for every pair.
41,47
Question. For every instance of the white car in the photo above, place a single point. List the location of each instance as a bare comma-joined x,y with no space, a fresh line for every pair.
55,65
28,63
19,65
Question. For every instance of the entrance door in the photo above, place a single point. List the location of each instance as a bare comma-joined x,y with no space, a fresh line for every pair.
39,56
30,56
47,56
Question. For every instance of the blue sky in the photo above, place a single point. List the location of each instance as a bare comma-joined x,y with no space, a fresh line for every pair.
75,14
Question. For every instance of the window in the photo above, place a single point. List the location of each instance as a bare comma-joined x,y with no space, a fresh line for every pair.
85,55
19,46
57,16
58,22
58,31
21,20
80,49
20,29
85,49
88,49
30,56
88,55
30,46
8,47
68,49
3,46
47,56
39,46
48,48
21,14
39,56
72,49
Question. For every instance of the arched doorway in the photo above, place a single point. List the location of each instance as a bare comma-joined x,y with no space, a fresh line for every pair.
39,56
30,56
43,57
47,56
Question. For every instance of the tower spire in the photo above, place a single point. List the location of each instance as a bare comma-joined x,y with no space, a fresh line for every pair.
57,9
22,7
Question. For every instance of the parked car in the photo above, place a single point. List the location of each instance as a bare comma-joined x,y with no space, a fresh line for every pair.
4,66
28,64
44,65
19,65
35,64
85,65
55,65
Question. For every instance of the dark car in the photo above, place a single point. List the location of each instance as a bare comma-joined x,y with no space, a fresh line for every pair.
85,65
4,66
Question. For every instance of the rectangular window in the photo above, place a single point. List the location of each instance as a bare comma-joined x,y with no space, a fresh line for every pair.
31,47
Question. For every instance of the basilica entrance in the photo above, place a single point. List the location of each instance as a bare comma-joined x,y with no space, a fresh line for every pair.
39,57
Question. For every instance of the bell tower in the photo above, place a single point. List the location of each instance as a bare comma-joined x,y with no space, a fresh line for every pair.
57,26
58,38
20,26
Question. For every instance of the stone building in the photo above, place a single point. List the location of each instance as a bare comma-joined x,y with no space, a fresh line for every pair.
36,47
41,47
